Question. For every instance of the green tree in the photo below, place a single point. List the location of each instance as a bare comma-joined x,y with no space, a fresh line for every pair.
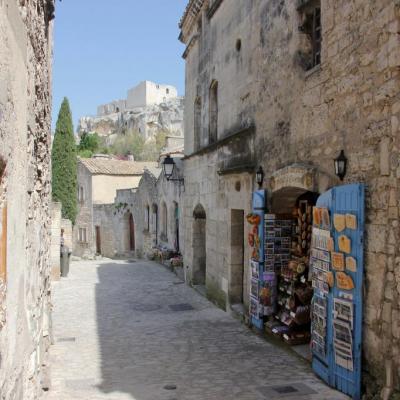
130,142
89,144
64,163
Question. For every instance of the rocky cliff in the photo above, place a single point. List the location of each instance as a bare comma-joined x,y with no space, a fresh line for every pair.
165,117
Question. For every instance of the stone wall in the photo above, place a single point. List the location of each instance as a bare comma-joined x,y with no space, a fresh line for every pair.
25,110
351,102
55,240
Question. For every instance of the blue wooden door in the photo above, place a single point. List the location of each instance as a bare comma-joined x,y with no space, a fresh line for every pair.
342,201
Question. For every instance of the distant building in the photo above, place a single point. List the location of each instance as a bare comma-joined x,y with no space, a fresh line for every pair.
144,94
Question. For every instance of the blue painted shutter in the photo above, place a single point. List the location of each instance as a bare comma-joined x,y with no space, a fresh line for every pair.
347,199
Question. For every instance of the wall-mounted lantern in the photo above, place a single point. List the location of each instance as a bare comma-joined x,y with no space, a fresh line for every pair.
341,165
169,169
260,177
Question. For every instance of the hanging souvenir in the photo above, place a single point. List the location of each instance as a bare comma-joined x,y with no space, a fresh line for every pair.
338,261
253,219
316,216
330,279
251,239
343,309
339,222
326,222
331,244
344,244
351,264
344,281
351,221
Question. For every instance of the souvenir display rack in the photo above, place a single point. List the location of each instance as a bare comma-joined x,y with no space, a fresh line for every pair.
292,319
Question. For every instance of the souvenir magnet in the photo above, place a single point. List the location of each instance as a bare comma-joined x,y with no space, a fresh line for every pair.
351,264
331,244
316,216
326,222
344,281
351,221
330,279
344,244
339,222
338,261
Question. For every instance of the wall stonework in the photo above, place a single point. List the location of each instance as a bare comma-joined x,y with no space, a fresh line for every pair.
25,110
55,240
351,102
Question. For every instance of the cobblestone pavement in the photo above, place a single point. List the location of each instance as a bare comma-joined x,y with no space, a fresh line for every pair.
134,330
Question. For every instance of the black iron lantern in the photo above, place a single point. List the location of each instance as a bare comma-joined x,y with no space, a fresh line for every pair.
260,176
341,165
168,166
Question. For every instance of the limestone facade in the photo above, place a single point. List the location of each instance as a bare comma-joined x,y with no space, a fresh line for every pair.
25,110
143,218
253,99
98,183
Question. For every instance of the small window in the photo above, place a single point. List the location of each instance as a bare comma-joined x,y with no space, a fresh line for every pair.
82,235
213,113
197,123
147,219
167,91
311,26
81,194
238,45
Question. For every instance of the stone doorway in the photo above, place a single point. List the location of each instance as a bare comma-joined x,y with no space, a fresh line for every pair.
98,240
131,233
237,281
199,246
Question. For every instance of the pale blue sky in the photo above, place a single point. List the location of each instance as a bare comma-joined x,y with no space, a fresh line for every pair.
102,48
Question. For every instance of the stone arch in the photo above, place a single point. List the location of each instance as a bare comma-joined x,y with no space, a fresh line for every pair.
199,246
175,212
154,222
164,220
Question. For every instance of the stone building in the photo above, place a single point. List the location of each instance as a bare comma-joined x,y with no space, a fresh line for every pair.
143,218
157,211
98,182
25,110
144,94
287,85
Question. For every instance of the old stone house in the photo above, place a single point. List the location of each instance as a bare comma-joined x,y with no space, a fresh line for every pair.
157,209
99,179
25,109
287,85
142,218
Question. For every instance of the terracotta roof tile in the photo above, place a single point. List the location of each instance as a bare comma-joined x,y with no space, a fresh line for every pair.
116,167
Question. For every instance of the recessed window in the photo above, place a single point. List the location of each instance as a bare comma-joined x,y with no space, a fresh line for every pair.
82,235
238,45
197,123
167,91
312,28
213,113
81,194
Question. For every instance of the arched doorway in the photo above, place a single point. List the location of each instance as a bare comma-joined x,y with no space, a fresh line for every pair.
176,217
199,246
155,223
131,233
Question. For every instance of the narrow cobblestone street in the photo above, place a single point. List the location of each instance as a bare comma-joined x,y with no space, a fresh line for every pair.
133,330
